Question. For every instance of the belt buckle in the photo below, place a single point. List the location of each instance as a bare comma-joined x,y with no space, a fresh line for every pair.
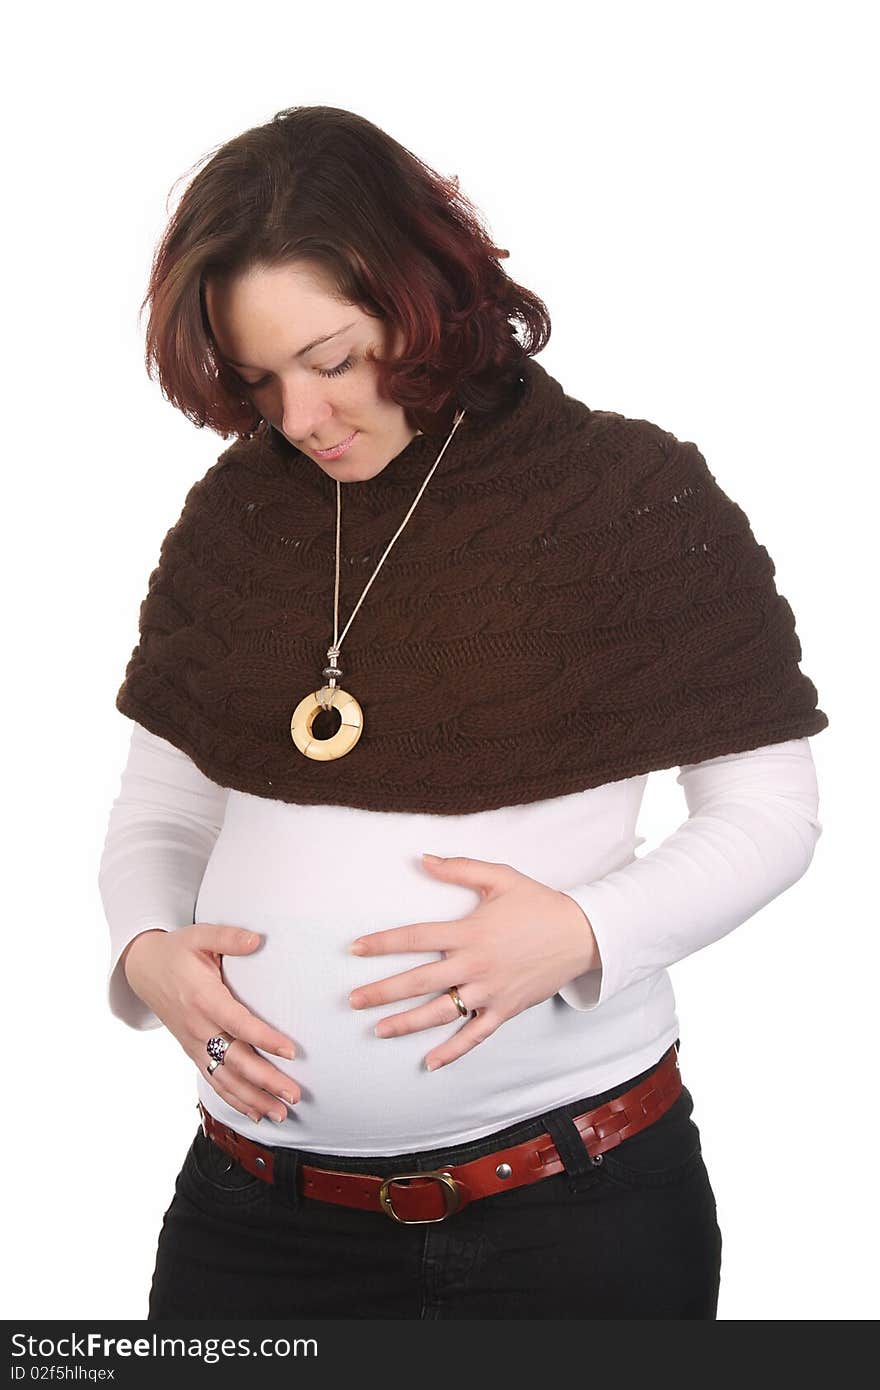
450,1192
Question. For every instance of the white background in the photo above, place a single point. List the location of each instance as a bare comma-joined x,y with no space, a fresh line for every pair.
688,186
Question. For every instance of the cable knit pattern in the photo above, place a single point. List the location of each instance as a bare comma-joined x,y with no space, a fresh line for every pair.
573,601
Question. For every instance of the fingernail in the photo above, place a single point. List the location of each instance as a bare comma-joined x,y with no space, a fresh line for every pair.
432,1066
287,1052
357,948
432,858
279,1119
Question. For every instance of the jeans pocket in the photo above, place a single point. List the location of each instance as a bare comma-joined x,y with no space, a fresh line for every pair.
214,1175
666,1151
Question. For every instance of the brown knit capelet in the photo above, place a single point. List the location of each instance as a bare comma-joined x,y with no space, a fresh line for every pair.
573,601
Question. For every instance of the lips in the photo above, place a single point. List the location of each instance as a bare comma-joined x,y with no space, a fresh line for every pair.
336,450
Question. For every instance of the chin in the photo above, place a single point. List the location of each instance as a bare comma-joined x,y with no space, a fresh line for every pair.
358,476
348,471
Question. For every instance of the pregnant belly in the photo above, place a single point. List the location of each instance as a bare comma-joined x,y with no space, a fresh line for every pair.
288,873
367,1095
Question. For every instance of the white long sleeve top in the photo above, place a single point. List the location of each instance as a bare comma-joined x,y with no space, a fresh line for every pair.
180,848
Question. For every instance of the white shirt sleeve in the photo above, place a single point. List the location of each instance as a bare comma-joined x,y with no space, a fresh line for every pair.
162,828
751,832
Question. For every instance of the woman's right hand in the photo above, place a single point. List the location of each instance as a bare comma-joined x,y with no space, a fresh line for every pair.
177,974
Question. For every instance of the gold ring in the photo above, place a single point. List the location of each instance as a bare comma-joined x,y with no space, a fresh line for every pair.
458,1001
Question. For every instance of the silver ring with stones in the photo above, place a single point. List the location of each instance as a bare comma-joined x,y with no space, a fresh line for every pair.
217,1047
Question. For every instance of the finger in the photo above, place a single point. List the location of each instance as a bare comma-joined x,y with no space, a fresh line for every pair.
230,1095
250,1098
415,936
437,1013
484,875
245,1098
255,1069
225,941
474,1032
422,979
239,1022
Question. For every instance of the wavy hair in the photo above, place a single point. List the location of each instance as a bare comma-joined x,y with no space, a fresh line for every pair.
323,186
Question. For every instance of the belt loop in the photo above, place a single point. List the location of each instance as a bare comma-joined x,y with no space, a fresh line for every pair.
286,1164
572,1150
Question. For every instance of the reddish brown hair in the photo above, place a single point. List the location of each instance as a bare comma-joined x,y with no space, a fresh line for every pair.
321,185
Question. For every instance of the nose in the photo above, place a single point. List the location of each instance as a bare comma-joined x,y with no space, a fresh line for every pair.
305,412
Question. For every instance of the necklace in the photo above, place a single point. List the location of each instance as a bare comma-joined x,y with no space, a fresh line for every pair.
331,695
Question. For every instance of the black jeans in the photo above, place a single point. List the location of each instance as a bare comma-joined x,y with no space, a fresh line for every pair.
632,1236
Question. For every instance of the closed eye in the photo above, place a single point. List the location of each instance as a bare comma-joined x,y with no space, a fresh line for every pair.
333,371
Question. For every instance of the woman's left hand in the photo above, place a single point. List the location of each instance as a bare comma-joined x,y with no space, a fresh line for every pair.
517,948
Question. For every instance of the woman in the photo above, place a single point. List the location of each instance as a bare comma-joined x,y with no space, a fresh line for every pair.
428,601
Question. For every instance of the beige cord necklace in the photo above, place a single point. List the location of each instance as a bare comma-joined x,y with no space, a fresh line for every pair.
331,696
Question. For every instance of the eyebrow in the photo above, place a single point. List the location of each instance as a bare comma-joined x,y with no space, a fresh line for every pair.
316,342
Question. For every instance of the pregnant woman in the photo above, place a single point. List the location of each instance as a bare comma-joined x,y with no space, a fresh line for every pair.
427,603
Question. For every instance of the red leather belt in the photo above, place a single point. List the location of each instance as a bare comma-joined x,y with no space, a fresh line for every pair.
434,1194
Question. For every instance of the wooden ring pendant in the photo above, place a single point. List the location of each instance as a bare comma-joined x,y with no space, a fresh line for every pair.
346,736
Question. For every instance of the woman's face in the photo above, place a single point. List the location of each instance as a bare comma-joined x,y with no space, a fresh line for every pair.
263,323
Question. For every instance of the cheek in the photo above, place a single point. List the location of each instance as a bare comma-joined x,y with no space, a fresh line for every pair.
362,391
